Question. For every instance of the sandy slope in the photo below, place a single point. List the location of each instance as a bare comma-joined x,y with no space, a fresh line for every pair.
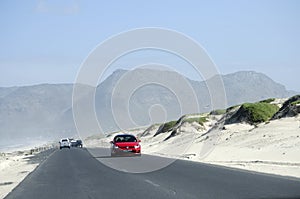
272,147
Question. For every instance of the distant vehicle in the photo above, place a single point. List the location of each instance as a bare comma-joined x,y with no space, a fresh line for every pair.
125,144
73,142
64,143
76,143
79,143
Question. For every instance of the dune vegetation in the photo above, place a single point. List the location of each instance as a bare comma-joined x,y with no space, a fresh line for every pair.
199,120
259,112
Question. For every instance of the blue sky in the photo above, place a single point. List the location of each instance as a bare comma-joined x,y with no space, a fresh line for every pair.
46,41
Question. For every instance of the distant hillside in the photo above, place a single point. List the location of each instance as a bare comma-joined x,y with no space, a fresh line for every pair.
33,111
45,111
250,86
5,91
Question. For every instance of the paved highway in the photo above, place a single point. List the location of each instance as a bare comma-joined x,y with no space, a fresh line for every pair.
76,173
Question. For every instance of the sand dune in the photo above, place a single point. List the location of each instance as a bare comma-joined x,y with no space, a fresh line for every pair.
272,147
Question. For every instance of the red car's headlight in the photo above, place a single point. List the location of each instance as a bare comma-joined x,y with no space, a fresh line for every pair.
137,146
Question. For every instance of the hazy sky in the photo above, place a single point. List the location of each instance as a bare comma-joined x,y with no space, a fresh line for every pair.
46,41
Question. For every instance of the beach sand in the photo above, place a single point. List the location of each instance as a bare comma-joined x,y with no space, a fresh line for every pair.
15,166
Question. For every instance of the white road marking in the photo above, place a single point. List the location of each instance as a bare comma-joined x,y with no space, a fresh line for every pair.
152,183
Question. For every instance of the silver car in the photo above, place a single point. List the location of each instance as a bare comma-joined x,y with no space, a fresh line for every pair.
64,143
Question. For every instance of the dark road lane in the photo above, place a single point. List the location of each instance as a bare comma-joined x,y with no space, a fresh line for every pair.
75,173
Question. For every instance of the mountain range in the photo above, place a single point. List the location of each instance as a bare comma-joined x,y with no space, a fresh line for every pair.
44,112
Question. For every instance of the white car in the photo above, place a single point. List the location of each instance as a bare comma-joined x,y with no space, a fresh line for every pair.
64,143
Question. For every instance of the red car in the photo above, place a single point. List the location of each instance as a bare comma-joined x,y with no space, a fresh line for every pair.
125,144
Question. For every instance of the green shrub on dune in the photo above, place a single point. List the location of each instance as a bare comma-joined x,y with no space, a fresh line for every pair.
168,126
253,113
259,112
268,100
199,120
296,102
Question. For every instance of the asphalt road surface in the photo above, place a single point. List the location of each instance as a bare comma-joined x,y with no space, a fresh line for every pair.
76,173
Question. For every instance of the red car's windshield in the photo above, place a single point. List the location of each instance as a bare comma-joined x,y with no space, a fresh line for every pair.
125,138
